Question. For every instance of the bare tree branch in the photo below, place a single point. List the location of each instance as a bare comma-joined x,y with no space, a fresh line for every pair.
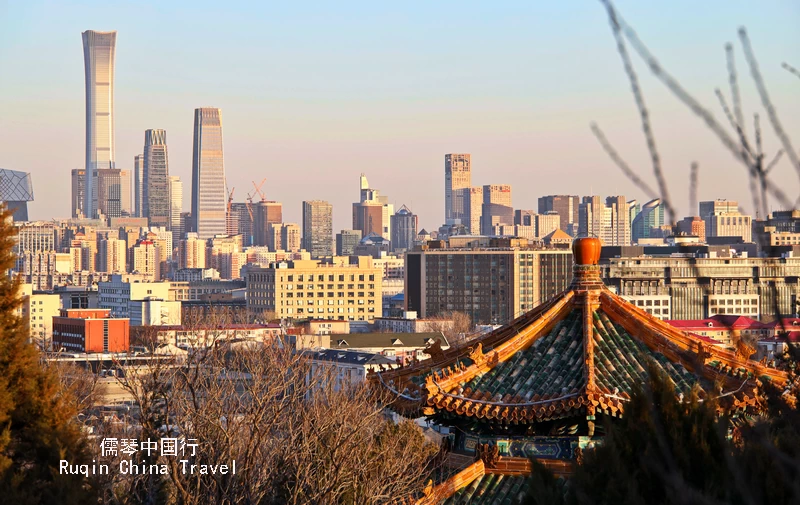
684,96
733,82
766,102
791,69
617,159
643,112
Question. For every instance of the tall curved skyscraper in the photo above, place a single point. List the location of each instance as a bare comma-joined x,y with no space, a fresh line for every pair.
208,174
99,49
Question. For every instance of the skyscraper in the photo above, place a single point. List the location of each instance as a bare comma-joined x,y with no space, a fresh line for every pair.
567,208
78,192
651,216
98,58
457,176
208,174
265,215
496,209
175,207
318,228
156,202
113,192
404,229
138,185
473,205
371,214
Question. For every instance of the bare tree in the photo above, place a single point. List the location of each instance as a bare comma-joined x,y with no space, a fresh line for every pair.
297,433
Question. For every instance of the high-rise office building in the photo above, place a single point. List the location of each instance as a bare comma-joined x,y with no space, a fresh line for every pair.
318,228
650,216
241,215
265,215
156,205
138,185
404,229
473,205
723,219
113,192
176,207
291,238
209,202
619,232
346,242
496,209
98,58
371,214
16,190
590,217
457,178
78,192
567,208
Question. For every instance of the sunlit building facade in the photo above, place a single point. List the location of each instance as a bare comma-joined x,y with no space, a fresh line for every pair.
208,174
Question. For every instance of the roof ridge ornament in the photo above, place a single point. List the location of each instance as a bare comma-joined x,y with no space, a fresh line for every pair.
586,269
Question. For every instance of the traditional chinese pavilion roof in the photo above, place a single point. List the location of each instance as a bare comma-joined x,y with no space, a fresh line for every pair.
581,353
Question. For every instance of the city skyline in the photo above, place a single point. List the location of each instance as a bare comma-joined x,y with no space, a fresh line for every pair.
493,114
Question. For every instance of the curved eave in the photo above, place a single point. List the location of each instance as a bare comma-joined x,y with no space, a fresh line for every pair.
681,347
527,412
451,356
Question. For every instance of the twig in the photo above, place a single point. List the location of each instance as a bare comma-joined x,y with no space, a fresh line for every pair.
733,82
615,157
791,69
766,102
694,106
643,112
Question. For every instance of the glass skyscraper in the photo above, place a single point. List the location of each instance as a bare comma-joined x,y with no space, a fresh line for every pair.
138,185
156,200
208,174
318,228
98,57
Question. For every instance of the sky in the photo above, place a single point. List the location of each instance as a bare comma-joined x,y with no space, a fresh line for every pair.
315,93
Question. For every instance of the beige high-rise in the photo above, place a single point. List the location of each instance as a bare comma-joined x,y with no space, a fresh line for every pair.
457,176
99,50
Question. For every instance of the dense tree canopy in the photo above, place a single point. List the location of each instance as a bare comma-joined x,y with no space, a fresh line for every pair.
37,419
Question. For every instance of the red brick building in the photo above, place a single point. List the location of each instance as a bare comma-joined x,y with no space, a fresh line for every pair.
90,330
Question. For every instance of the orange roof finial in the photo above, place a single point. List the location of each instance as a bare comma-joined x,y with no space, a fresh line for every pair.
586,250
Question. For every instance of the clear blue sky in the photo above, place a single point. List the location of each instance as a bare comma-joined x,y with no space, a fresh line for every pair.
314,93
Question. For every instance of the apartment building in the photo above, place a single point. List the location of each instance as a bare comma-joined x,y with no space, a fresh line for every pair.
307,288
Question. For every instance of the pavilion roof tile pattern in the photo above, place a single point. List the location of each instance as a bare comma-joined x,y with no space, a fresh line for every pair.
584,351
490,489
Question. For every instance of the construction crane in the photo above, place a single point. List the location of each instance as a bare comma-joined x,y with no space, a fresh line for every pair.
258,189
249,205
230,199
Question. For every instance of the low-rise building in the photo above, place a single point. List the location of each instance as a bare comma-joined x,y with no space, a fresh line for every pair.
38,309
154,312
411,324
204,335
345,367
91,331
404,347
116,294
324,326
726,329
